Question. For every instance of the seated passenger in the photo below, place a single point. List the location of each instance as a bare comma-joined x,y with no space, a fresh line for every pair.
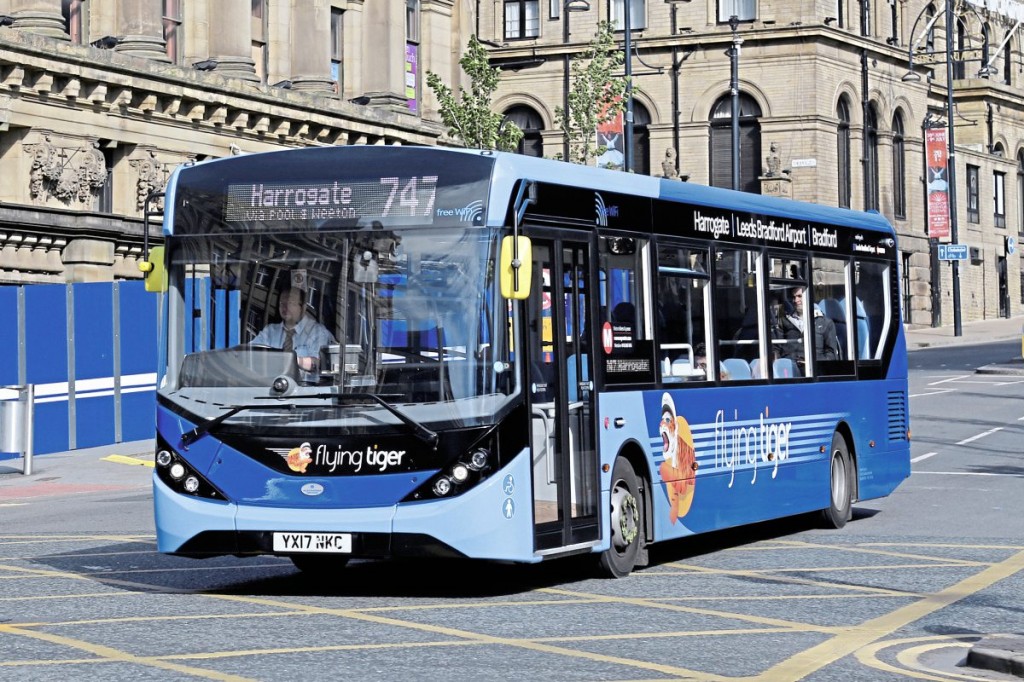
826,342
298,332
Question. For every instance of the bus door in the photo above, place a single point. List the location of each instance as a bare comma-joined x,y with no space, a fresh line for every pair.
562,400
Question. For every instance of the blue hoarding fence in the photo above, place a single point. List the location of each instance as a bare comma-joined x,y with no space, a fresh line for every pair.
89,350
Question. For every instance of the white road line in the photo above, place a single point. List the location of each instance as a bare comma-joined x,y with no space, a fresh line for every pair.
967,473
923,457
939,392
948,379
965,441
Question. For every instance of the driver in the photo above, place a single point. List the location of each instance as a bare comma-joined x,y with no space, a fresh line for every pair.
296,331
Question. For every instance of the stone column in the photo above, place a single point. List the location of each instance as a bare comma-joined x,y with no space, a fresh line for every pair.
311,46
384,75
42,17
140,29
230,39
88,260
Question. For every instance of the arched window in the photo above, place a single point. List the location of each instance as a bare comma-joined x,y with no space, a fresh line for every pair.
641,139
899,168
871,162
530,122
750,143
843,153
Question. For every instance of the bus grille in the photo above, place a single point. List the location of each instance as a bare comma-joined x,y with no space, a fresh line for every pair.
897,416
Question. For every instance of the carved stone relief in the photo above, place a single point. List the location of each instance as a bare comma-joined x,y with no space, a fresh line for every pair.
152,177
68,172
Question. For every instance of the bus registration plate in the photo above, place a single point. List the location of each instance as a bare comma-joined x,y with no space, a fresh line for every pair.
336,543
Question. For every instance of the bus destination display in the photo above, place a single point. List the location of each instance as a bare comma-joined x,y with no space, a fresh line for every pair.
390,199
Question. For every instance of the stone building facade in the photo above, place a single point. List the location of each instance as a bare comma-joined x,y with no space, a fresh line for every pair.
101,99
826,83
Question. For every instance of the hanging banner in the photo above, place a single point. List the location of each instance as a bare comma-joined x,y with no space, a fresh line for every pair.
938,187
609,136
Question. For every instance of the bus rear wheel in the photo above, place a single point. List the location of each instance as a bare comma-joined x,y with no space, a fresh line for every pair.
627,522
840,484
319,564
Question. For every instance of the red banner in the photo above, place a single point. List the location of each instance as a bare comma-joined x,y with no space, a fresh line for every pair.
938,186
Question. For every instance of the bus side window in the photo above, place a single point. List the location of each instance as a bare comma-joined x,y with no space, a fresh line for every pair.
873,308
682,303
737,307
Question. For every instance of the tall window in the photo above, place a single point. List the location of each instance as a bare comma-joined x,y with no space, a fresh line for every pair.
412,20
986,53
750,144
172,30
337,49
894,23
871,162
1020,192
929,41
74,15
641,139
744,10
259,38
899,168
1008,62
959,64
529,121
522,19
637,14
843,153
999,198
973,203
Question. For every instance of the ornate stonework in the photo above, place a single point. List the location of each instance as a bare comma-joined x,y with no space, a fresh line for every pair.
68,172
152,176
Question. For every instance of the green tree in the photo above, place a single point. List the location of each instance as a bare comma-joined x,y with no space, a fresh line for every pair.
596,95
469,117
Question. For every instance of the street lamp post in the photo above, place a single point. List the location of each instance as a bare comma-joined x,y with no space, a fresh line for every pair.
951,163
734,91
951,149
627,136
569,6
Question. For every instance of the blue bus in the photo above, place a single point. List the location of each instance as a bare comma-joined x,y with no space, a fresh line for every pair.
518,359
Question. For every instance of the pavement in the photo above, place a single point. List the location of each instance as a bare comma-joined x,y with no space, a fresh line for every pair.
129,467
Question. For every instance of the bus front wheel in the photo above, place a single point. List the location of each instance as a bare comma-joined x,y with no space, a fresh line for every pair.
840,486
627,522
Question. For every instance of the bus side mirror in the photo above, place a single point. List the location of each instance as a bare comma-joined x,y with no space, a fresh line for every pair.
155,272
515,267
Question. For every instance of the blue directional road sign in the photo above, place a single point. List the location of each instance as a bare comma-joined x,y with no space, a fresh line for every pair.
952,251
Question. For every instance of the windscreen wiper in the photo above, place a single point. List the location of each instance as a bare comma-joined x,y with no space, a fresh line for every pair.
419,430
205,427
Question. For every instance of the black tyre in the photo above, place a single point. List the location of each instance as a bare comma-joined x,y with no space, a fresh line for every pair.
319,564
840,484
627,522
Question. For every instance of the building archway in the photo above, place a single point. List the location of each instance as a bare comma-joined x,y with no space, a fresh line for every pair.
531,123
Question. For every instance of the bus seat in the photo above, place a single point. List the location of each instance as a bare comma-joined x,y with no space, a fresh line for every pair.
737,368
836,311
784,368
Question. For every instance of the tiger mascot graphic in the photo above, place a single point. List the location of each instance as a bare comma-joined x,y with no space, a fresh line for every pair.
679,470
